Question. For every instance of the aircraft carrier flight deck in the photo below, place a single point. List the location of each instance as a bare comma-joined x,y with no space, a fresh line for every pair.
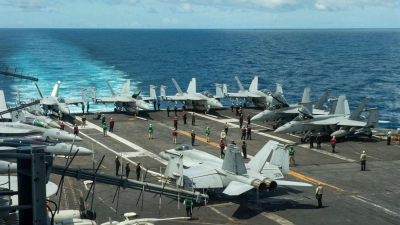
350,196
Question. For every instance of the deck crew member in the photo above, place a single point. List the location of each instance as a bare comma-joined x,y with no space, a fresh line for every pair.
76,130
168,110
193,135
184,116
311,137
150,128
244,150
62,125
208,134
248,132
333,143
189,205
222,147
176,123
117,165
389,137
318,195
138,169
127,170
176,110
111,122
291,155
318,139
174,136
363,160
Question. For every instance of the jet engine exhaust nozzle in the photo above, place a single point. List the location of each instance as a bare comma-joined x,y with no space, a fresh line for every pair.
259,185
271,184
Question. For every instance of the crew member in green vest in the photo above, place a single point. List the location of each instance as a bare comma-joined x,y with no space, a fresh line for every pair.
208,134
291,155
189,204
150,131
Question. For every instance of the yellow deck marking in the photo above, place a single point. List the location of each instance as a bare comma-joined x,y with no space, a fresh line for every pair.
311,180
199,138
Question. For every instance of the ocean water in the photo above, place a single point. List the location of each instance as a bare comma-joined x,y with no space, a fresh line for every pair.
357,63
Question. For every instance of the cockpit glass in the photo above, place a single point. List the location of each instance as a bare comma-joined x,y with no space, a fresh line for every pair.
265,91
184,147
207,94
61,100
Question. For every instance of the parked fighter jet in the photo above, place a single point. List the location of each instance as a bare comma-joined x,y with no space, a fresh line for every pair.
18,128
276,113
338,124
126,101
191,99
261,98
231,173
54,103
3,107
56,148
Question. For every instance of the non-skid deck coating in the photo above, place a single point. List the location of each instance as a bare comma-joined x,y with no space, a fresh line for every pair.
350,196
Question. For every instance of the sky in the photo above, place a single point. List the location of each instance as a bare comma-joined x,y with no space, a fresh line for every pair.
200,14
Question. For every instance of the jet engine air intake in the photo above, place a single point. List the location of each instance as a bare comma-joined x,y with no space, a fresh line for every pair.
270,184
259,185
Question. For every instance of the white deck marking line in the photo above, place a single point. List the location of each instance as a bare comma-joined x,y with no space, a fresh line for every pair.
130,144
306,146
367,201
221,214
112,209
223,204
236,126
269,215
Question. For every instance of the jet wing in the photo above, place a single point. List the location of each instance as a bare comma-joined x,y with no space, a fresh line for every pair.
352,123
178,98
288,110
242,95
292,183
202,176
329,121
148,98
236,188
48,101
73,101
8,130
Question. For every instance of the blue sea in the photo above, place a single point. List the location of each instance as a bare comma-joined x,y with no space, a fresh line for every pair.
354,62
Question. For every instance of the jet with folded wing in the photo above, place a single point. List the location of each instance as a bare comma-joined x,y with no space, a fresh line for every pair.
339,124
275,112
231,173
191,99
55,103
126,101
261,98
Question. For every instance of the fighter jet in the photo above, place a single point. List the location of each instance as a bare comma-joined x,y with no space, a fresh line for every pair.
3,107
56,148
338,124
126,101
18,128
261,98
54,103
277,113
230,173
191,99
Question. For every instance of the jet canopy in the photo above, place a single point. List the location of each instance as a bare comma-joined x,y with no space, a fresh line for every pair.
136,93
61,100
266,91
184,147
207,94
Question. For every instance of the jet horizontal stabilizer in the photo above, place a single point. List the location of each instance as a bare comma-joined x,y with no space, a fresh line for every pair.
236,188
292,183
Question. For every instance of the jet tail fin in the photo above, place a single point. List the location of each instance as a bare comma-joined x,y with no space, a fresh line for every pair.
239,84
84,94
192,86
373,118
162,91
320,103
340,105
177,86
127,87
357,112
254,84
153,92
258,161
56,89
94,94
225,89
306,95
17,115
219,91
279,88
280,158
111,90
175,170
233,161
40,92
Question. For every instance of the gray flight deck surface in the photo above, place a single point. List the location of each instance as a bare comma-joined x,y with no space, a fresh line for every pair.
350,196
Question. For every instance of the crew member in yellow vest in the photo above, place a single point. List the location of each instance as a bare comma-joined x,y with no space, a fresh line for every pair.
318,195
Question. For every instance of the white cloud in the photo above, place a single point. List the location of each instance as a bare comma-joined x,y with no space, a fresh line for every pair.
345,4
170,20
185,7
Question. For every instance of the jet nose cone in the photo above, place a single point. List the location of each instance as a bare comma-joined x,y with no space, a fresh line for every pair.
77,138
164,155
218,105
84,151
65,110
282,130
53,124
143,105
258,117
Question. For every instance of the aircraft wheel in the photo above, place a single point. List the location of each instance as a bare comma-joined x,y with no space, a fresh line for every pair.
301,140
115,109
